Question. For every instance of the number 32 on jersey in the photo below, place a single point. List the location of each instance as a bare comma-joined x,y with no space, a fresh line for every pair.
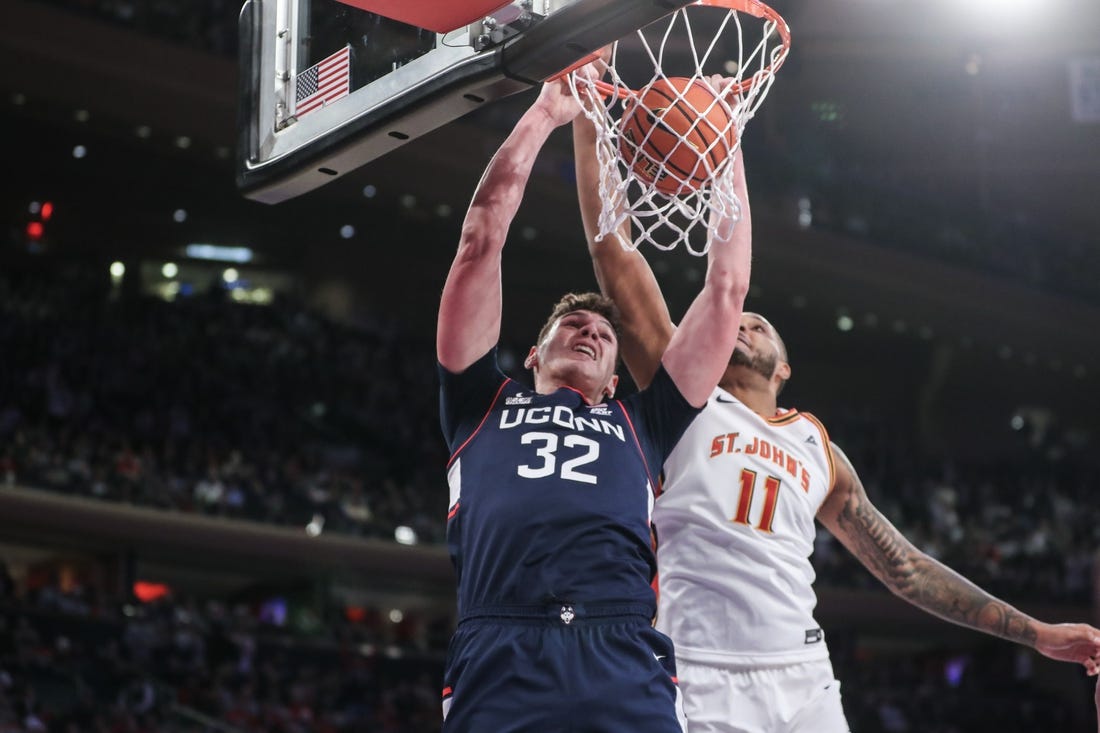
577,451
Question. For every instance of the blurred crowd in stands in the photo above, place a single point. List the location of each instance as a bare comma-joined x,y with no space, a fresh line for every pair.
1023,530
267,413
277,414
72,661
75,662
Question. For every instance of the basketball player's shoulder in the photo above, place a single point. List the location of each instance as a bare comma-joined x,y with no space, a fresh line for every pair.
791,415
817,438
804,423
813,420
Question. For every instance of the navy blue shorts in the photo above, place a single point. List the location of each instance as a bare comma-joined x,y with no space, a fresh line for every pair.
560,669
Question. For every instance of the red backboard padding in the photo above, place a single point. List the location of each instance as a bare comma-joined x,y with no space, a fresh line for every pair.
441,17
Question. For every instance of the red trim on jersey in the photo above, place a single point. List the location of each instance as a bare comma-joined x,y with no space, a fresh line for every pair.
447,691
675,680
583,398
480,424
638,444
787,417
454,510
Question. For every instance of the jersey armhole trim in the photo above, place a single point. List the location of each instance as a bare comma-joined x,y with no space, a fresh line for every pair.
485,417
827,446
638,445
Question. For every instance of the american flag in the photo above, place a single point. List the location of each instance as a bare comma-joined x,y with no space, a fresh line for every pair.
322,83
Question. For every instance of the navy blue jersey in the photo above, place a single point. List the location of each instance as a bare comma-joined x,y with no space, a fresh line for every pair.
550,496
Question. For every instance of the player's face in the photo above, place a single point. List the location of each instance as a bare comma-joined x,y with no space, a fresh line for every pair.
580,350
757,346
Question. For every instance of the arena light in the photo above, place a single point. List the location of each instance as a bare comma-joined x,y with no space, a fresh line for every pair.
147,592
219,253
1001,15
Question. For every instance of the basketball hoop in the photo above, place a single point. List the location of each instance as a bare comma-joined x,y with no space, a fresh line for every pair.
667,135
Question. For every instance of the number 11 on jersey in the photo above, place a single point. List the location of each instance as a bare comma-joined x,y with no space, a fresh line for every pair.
744,500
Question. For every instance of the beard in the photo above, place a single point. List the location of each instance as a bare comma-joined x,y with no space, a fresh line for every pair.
762,364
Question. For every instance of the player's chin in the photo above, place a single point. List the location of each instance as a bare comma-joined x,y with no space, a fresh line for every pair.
740,356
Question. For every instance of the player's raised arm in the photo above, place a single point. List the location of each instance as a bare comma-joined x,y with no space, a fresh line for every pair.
932,586
700,348
470,308
1097,701
624,276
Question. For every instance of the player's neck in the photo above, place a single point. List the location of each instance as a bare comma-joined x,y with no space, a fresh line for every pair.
752,390
545,385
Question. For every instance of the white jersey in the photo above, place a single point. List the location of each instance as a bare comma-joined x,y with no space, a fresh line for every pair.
735,530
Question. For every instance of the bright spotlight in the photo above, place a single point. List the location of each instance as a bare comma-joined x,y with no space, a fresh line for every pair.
405,535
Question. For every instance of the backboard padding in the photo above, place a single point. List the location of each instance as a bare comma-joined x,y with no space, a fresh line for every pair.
439,17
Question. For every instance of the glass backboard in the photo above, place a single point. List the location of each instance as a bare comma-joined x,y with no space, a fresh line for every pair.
329,85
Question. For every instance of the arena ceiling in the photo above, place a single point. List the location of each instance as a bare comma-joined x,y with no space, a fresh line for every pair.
931,107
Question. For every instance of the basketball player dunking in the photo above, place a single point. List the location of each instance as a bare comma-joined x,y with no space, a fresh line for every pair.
552,487
735,524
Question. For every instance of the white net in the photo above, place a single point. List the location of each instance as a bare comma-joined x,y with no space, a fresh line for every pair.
666,151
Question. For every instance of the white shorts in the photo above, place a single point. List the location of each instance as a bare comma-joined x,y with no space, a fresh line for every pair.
792,698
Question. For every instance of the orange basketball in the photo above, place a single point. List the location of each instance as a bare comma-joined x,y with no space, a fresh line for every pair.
675,134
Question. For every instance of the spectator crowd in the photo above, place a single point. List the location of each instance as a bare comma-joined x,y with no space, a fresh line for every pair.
278,414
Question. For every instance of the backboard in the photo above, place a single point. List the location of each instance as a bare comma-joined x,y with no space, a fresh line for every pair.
329,85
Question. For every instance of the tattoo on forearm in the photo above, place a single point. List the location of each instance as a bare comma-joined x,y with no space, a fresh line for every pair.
923,581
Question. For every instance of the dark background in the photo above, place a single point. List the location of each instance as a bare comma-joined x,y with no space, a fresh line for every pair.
954,215
954,221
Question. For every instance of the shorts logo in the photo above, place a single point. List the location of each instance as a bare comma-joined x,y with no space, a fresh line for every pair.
813,636
567,615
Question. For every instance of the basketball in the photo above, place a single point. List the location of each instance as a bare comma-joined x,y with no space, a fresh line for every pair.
675,134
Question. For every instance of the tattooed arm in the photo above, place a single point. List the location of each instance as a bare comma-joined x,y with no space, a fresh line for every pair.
934,587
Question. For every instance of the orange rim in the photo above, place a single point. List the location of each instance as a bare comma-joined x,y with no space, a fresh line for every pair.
754,8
